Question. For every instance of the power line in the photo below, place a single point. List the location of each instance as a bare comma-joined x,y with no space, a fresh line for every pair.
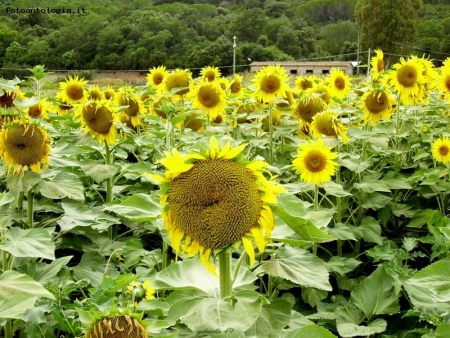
414,47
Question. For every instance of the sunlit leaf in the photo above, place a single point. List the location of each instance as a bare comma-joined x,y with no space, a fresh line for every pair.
29,243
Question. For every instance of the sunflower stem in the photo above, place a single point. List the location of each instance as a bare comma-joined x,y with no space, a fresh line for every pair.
20,202
316,207
270,135
109,183
397,143
225,274
8,329
238,266
30,213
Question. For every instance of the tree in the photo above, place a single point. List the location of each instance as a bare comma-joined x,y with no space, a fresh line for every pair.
387,24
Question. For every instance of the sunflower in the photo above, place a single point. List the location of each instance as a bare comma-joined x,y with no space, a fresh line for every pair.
156,76
441,150
213,201
209,97
73,90
39,110
271,83
125,96
315,162
339,83
24,146
303,83
95,93
322,90
408,80
109,93
377,104
98,117
308,107
194,122
236,84
156,107
7,97
63,108
120,326
242,111
442,81
377,64
177,82
326,124
210,74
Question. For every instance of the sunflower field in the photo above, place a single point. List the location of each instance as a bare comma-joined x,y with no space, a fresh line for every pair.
254,205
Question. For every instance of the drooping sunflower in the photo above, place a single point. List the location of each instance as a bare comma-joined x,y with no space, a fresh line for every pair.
178,81
308,107
156,107
119,326
125,96
24,146
39,110
194,121
235,84
377,64
209,97
214,200
339,83
377,104
95,93
271,83
315,162
408,80
62,108
210,74
73,90
441,150
98,118
303,83
110,93
156,76
7,97
322,90
326,124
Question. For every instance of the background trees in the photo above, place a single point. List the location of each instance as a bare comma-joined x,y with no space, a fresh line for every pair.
137,34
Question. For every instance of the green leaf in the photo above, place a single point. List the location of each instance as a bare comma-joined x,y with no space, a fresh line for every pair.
18,293
430,287
90,268
353,330
370,230
100,172
6,198
342,265
343,232
62,185
29,243
298,266
191,274
334,189
19,184
376,294
137,208
371,183
51,270
84,216
314,331
443,330
217,316
373,201
394,180
22,104
272,318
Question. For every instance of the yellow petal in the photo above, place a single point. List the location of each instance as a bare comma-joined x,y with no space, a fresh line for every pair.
225,150
248,246
157,178
234,151
259,239
213,147
204,259
256,165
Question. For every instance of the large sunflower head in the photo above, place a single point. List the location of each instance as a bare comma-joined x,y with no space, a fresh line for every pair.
377,104
441,150
24,146
98,117
377,64
408,80
156,76
209,97
271,83
73,90
210,74
123,326
39,110
339,83
213,200
326,124
442,81
177,81
308,107
315,162
134,110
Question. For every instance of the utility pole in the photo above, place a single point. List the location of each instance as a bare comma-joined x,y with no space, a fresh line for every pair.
234,54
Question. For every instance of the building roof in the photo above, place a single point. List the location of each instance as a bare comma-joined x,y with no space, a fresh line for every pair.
302,63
